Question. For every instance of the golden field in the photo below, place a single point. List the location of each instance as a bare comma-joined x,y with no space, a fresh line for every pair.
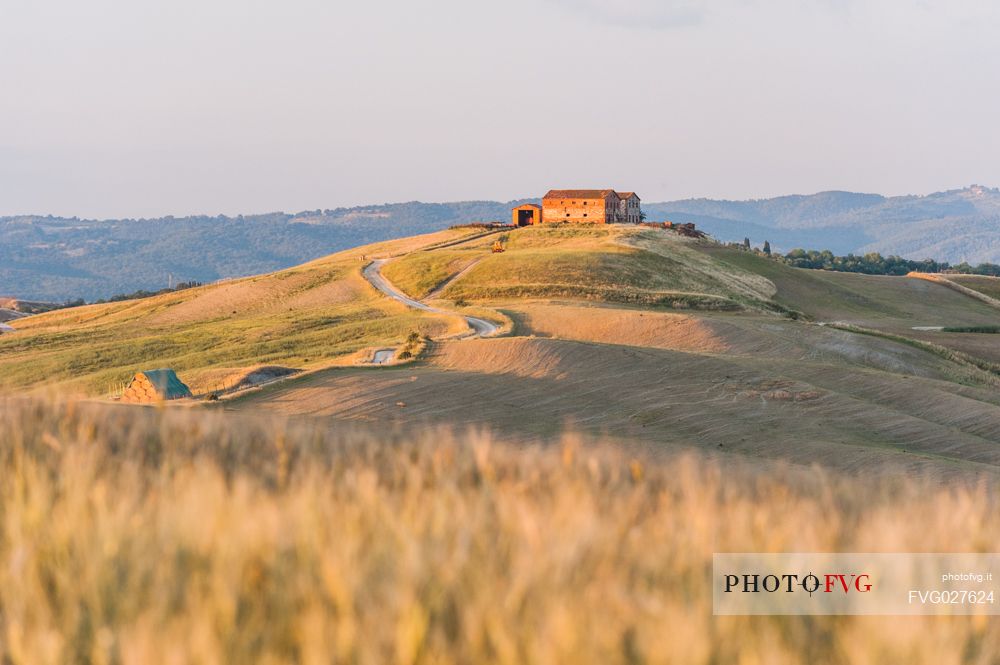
131,535
311,316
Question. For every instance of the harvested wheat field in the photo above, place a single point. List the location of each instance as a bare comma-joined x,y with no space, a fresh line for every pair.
841,414
612,325
166,536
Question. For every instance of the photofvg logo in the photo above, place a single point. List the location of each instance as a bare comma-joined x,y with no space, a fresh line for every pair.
791,583
865,584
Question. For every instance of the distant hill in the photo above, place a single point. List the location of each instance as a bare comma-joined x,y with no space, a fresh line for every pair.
954,226
56,258
52,258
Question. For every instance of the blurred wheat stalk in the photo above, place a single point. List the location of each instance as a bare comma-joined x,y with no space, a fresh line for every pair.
178,536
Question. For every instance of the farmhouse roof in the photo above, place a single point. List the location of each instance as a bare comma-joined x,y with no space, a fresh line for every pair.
580,193
528,205
627,195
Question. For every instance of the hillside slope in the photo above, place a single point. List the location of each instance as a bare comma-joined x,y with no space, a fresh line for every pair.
587,352
954,226
301,318
61,259
834,408
634,331
607,263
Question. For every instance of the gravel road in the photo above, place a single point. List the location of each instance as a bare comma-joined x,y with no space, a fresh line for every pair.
373,273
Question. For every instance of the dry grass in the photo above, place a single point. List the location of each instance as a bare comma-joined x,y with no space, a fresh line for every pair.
889,303
604,263
315,315
422,272
610,325
989,286
163,536
980,292
783,389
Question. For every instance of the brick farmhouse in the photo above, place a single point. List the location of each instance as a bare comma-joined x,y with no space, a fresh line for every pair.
582,206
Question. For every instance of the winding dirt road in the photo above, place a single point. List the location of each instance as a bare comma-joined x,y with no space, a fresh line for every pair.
373,273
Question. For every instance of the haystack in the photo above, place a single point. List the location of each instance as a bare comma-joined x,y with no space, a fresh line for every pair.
155,385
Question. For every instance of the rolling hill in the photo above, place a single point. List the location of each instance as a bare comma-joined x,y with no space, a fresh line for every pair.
216,335
50,258
637,332
54,258
954,226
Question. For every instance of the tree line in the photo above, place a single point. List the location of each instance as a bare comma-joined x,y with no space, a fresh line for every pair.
874,263
871,263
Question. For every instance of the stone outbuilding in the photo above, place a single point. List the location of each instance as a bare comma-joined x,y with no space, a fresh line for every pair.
527,215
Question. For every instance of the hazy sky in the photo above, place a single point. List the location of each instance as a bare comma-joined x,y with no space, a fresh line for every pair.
154,107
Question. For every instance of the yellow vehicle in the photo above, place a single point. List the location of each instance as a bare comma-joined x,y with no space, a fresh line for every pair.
498,247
